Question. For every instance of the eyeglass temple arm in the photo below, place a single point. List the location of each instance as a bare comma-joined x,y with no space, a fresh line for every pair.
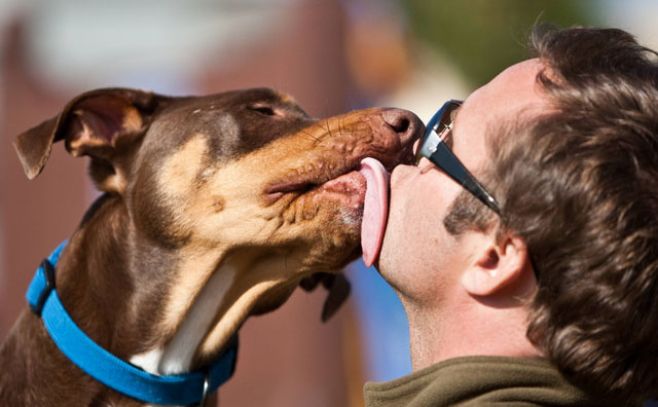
446,160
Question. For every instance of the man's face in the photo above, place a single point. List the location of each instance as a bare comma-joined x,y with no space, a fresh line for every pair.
419,257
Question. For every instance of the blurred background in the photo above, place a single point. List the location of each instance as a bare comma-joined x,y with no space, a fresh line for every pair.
332,56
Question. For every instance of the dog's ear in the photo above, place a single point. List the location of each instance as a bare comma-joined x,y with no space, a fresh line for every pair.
339,290
99,124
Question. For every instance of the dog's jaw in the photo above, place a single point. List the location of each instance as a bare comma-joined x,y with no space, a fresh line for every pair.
220,278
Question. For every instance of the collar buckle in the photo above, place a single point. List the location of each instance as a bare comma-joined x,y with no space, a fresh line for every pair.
206,388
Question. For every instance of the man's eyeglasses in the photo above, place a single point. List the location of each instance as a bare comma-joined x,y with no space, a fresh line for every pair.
433,147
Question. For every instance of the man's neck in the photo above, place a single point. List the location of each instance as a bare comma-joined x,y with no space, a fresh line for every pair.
466,328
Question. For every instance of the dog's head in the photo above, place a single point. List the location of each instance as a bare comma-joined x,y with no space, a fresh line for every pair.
244,175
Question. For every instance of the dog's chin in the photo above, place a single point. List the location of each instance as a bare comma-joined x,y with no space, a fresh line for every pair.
337,212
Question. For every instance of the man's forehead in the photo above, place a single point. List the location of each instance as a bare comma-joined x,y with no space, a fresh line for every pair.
512,94
528,67
512,90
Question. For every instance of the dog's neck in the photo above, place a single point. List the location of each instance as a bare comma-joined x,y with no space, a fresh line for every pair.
222,304
116,284
177,307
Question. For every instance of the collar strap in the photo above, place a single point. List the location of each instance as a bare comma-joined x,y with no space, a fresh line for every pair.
181,389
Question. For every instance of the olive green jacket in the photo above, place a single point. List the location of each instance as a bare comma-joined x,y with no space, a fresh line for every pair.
481,381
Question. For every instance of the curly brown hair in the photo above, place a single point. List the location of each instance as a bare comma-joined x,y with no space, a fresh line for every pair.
580,185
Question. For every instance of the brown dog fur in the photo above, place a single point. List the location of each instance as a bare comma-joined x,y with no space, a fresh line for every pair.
231,190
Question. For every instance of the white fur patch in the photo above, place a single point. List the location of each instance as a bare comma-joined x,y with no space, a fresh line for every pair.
148,360
178,354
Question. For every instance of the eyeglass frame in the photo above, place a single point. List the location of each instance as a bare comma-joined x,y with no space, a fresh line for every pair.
433,147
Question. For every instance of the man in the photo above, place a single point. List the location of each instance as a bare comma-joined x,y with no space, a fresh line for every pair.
531,276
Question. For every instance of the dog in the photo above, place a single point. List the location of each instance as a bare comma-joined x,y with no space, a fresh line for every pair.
213,209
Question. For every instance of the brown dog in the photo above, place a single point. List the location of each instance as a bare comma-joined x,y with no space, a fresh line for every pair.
214,208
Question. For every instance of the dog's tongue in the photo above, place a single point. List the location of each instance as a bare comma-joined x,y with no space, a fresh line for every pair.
375,209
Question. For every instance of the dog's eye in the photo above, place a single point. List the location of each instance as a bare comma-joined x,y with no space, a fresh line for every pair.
262,109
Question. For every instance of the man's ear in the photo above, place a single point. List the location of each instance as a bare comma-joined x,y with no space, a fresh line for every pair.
500,262
101,124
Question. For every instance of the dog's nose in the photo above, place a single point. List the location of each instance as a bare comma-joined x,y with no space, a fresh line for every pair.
405,123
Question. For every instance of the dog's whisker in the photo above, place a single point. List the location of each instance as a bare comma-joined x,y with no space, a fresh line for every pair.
328,128
309,134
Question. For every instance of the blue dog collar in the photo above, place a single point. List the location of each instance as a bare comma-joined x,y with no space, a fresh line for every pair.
183,389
